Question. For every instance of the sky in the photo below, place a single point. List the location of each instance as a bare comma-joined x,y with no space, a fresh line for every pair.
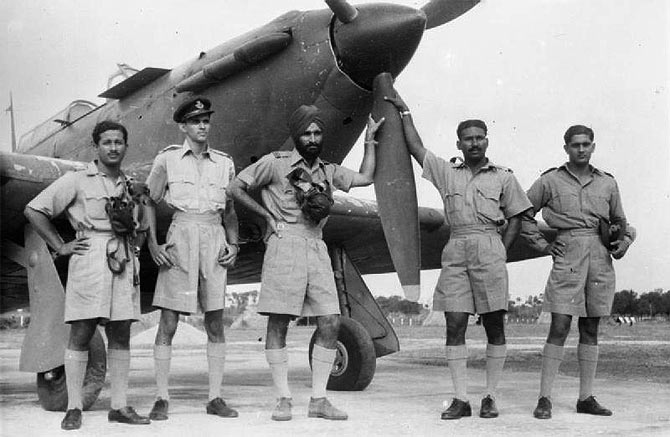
529,68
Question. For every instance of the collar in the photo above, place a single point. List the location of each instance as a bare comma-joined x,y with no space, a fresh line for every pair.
593,169
92,170
186,149
297,157
460,164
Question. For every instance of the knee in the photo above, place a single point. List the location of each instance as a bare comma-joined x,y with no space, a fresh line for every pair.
558,332
119,340
588,331
330,324
456,327
329,328
276,331
166,330
214,328
80,335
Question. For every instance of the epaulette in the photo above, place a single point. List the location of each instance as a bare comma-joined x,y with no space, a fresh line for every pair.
500,167
281,154
547,171
608,174
171,147
219,152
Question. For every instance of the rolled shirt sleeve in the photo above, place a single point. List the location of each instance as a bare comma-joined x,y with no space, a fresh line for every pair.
55,199
343,178
157,181
513,200
530,232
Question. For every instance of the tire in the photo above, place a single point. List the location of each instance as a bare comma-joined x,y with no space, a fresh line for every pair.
355,359
51,387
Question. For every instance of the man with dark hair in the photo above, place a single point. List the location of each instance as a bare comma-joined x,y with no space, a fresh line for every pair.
201,244
100,287
297,278
583,204
479,199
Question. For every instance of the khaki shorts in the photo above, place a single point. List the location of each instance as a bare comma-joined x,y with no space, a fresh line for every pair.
582,282
474,274
93,291
196,281
297,277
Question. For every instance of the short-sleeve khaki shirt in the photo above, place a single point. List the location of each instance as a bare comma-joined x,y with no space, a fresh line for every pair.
567,203
188,183
278,195
487,197
82,195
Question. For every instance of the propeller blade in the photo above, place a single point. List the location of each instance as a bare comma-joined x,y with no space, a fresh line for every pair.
344,12
395,191
439,12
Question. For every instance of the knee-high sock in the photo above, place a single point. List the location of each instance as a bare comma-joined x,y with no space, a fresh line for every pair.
552,356
495,361
118,361
278,361
587,355
216,359
162,356
75,370
322,363
457,359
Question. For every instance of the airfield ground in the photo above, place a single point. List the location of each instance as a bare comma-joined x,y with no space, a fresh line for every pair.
405,398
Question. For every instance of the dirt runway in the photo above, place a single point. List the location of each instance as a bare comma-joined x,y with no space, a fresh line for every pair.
403,399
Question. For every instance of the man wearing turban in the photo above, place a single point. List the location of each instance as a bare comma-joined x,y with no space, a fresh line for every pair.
297,278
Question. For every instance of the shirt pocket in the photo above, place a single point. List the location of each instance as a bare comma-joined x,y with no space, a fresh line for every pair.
183,189
454,201
217,181
487,202
289,203
567,202
598,204
95,199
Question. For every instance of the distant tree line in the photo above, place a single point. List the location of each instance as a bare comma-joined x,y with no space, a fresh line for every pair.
626,302
398,305
652,303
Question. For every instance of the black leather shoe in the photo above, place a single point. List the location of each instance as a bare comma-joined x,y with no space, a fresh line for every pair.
218,406
456,410
72,419
488,409
127,415
591,406
160,410
543,409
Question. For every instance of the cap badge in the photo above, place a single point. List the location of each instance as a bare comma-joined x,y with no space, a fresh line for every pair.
199,104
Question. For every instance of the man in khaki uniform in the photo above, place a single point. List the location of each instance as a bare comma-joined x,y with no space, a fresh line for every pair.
577,200
297,278
479,198
94,292
201,244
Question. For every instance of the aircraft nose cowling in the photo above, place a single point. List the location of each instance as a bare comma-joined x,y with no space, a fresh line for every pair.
382,37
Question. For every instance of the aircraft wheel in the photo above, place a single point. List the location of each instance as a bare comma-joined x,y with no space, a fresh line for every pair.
355,358
51,388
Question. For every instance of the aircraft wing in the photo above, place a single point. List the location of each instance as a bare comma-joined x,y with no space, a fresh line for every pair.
355,224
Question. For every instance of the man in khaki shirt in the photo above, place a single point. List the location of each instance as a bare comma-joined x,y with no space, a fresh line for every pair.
201,244
479,198
94,293
577,200
297,278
